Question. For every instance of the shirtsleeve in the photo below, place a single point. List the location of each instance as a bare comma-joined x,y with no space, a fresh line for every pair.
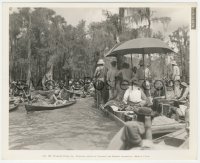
126,96
143,95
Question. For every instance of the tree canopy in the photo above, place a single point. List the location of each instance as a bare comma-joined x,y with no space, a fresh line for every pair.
40,39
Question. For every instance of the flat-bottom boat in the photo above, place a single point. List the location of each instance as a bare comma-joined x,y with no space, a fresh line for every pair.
41,108
160,125
13,107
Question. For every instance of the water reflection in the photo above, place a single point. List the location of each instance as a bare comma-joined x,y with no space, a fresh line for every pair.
80,126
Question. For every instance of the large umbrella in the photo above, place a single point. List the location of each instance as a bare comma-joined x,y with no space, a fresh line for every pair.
140,46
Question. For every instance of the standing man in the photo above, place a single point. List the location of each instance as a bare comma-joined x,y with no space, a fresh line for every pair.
99,76
175,77
143,73
140,72
175,71
147,72
144,77
111,80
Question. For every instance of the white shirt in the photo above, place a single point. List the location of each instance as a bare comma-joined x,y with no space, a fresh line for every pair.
176,73
132,94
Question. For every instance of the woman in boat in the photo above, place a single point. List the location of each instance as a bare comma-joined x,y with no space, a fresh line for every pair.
56,97
184,92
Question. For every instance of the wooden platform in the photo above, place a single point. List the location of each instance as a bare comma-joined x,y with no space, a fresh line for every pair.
160,124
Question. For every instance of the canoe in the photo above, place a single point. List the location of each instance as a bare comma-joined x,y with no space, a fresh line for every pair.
43,93
160,124
13,107
75,92
41,108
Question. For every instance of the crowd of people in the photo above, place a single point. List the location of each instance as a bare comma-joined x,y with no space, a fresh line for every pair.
53,92
135,86
134,89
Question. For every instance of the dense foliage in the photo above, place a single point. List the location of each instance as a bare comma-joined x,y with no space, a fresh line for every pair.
40,39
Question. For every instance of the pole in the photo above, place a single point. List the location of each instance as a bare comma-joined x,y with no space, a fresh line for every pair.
143,66
29,52
131,61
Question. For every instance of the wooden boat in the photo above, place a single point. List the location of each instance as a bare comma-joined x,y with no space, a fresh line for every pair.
178,139
78,93
175,140
160,125
13,107
41,108
43,93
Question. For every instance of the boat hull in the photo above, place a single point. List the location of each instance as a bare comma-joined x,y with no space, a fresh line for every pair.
157,128
41,108
13,108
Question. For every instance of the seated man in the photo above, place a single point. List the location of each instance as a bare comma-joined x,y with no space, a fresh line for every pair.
134,95
184,92
134,134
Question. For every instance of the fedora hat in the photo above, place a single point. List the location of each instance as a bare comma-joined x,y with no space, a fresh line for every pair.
174,63
184,84
100,62
145,111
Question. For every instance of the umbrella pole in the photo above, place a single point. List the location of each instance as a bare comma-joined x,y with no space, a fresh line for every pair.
131,61
143,65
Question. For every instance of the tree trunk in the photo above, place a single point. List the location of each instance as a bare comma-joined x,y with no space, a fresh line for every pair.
29,52
121,16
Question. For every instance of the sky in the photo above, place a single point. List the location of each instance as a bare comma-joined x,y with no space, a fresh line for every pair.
179,16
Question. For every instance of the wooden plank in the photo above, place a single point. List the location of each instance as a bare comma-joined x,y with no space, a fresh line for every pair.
167,127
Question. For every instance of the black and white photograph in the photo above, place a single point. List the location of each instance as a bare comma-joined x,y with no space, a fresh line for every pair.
100,78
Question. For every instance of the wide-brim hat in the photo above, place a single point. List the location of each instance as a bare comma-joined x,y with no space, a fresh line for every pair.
174,63
145,111
184,84
100,62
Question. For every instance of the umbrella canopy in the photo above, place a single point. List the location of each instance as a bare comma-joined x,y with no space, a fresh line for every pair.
140,46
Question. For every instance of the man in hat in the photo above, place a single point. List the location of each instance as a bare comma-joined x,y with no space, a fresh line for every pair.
126,72
134,95
175,71
143,73
99,72
135,134
111,75
140,71
176,78
100,76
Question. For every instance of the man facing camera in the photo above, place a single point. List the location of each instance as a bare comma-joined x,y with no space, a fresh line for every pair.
134,95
